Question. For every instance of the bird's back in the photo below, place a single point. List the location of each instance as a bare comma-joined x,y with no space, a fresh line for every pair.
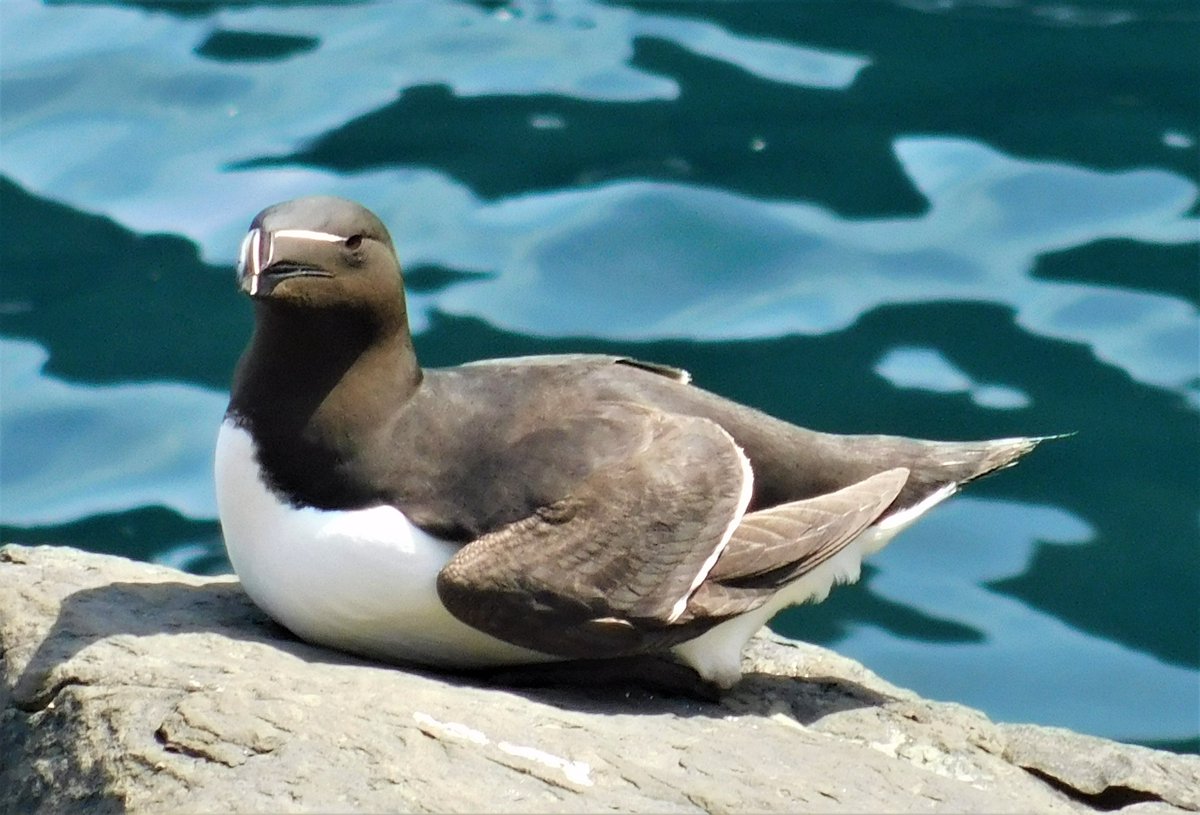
789,462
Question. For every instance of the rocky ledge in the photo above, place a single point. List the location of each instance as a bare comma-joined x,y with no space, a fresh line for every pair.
131,687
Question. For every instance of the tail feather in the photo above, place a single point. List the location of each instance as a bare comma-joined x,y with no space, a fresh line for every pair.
939,465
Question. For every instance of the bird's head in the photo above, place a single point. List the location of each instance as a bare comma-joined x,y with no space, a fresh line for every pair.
320,252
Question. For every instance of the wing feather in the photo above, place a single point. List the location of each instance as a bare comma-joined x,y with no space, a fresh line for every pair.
777,546
594,573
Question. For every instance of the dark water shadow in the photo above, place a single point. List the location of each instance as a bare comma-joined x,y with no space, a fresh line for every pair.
111,305
1094,85
141,533
253,46
201,8
1097,96
598,141
1123,263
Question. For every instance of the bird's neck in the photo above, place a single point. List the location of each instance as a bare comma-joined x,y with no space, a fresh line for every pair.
328,375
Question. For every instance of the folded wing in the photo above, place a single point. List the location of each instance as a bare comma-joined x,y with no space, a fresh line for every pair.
651,549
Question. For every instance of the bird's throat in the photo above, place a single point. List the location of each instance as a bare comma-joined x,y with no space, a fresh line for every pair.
321,384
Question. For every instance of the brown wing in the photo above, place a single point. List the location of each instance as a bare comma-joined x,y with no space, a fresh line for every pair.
777,545
595,573
774,547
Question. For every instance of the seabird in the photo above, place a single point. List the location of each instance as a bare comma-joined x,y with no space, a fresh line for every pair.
530,509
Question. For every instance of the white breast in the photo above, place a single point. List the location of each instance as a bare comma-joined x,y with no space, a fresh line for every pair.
360,580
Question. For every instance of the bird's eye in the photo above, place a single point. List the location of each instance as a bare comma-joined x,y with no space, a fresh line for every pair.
353,242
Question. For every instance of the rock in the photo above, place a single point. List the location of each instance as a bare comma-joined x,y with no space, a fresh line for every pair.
132,687
1105,773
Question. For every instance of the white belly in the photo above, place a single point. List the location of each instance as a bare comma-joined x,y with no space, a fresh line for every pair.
361,580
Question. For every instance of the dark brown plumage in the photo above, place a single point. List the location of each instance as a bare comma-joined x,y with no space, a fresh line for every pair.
603,506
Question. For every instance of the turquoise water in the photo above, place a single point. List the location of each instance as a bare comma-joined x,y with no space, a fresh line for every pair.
948,219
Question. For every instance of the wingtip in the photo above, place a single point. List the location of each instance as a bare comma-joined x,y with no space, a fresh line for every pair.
1055,436
1033,441
1025,444
1008,452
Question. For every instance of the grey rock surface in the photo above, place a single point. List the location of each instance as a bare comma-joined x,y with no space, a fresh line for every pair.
131,687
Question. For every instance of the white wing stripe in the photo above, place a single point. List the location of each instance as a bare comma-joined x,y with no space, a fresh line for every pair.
308,234
743,502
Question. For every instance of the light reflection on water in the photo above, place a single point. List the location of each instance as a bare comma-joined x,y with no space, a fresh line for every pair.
118,112
770,269
926,369
71,451
1028,666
